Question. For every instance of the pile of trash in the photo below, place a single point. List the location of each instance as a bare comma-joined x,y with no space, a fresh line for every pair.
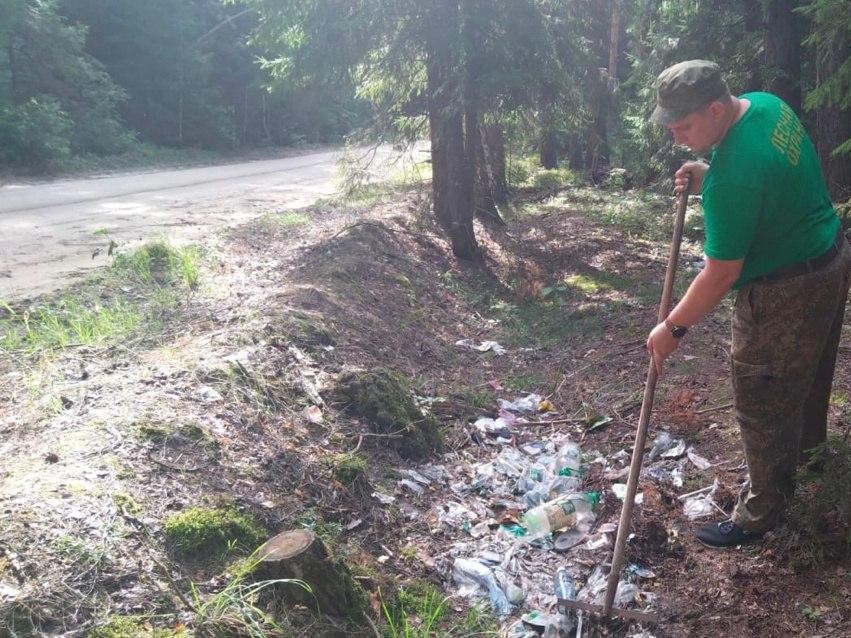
524,521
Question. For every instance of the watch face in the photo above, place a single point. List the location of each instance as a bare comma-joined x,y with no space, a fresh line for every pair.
678,331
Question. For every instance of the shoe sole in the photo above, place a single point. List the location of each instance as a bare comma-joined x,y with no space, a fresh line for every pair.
750,541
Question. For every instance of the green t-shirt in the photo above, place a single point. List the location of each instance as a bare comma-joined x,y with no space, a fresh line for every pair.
764,197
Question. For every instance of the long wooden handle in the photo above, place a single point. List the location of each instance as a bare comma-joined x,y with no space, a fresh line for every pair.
646,409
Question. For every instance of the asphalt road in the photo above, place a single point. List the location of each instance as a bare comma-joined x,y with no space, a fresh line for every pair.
49,232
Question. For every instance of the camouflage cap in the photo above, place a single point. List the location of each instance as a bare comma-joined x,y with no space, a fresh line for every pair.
686,87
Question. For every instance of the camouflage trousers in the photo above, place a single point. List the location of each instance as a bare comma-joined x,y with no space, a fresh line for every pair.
785,337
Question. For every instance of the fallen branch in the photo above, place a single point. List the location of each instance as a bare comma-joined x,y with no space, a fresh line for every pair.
164,571
696,492
713,409
718,507
177,468
576,419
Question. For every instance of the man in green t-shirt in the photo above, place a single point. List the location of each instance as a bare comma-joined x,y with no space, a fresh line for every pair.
771,234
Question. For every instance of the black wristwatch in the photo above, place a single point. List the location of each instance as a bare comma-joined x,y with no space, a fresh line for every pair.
677,332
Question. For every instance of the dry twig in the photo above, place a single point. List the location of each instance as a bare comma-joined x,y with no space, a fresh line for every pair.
714,408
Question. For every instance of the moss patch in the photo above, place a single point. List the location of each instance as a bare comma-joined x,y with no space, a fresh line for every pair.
348,468
385,400
126,503
201,531
132,627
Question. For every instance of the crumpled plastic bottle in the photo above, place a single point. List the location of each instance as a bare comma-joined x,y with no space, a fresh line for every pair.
466,571
571,510
662,443
564,586
563,485
568,461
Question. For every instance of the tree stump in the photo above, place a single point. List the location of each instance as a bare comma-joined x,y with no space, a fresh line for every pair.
301,555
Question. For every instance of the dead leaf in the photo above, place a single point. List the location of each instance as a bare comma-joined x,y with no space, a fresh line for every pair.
313,414
597,423
545,406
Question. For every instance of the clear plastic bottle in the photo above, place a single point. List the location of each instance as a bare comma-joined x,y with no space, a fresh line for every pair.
538,472
570,510
564,585
563,485
568,461
533,480
536,496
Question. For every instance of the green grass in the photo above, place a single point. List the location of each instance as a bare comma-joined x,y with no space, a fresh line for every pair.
139,155
635,219
121,301
520,169
639,215
479,293
68,321
523,382
545,323
553,179
480,398
410,173
290,218
414,615
585,284
418,610
234,610
159,263
329,531
366,195
364,180
75,550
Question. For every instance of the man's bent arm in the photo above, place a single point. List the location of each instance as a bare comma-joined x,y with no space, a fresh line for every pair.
706,291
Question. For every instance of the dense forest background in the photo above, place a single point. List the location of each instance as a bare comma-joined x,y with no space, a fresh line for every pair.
570,80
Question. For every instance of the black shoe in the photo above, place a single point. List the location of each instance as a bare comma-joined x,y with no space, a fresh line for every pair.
725,534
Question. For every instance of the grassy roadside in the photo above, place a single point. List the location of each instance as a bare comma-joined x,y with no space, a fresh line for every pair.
130,298
218,444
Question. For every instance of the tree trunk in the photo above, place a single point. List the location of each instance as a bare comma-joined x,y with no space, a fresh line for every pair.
265,120
245,115
575,148
483,190
614,40
301,556
754,22
549,149
833,126
494,147
783,52
452,177
596,137
13,85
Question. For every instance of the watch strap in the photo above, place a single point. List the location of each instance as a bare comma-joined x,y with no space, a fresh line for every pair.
676,331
